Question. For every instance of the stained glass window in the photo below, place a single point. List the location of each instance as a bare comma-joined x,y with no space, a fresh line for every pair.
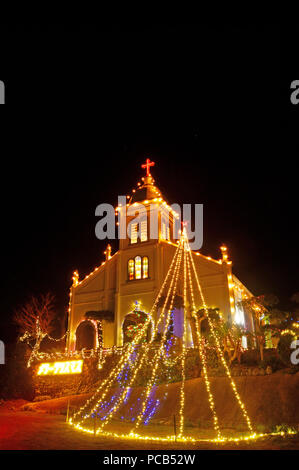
131,269
145,267
138,267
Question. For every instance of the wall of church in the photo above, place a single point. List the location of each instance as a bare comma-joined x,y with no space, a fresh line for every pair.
95,293
142,290
109,288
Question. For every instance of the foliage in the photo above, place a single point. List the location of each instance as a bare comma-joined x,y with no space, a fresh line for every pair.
230,336
133,324
106,315
178,302
250,357
272,361
132,330
284,349
266,316
284,428
17,380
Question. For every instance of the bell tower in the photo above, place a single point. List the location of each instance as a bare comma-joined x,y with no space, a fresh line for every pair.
149,219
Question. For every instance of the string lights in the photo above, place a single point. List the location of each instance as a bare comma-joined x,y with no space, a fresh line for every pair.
107,383
136,354
173,286
201,350
218,347
182,390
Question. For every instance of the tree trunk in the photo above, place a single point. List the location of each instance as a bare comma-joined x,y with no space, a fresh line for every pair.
261,346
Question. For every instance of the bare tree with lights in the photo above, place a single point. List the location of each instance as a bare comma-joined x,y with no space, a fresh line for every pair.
35,320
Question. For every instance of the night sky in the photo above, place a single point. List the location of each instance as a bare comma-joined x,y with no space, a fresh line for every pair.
86,104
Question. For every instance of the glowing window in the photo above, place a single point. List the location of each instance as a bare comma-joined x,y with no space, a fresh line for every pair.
239,317
145,267
144,230
131,269
134,233
138,267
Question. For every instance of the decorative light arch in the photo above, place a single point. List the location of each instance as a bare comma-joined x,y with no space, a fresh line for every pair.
137,308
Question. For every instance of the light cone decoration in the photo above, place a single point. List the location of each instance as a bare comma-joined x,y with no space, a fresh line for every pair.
113,393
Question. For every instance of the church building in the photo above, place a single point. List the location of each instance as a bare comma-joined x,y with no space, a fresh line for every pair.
115,298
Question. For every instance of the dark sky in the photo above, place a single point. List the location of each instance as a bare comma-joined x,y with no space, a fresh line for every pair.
86,104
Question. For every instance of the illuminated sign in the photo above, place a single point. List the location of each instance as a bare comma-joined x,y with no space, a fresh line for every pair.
61,368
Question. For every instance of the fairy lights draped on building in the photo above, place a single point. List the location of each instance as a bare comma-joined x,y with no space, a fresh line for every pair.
113,393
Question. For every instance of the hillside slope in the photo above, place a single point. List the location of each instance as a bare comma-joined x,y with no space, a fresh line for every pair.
269,400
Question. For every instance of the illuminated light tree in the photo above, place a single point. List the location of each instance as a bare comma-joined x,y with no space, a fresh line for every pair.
113,392
269,321
36,318
230,337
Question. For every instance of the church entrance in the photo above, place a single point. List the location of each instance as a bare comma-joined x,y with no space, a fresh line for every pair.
85,336
132,324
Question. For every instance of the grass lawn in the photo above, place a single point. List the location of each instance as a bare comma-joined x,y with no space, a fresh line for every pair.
40,431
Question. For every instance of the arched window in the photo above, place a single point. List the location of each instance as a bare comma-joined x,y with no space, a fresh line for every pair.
134,230
145,267
131,273
138,267
85,336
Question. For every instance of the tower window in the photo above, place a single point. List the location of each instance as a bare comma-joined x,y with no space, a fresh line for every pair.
134,231
134,234
144,231
138,268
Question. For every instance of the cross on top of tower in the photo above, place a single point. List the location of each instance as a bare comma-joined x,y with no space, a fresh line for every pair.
147,166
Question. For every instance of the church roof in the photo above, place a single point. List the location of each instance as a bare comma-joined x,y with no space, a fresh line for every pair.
146,191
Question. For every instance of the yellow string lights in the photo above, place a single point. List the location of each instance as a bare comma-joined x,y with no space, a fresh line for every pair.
183,252
218,347
182,390
201,350
107,383
150,384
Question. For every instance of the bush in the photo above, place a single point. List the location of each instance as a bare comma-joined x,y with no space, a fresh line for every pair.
284,428
273,361
250,357
284,349
212,358
17,380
